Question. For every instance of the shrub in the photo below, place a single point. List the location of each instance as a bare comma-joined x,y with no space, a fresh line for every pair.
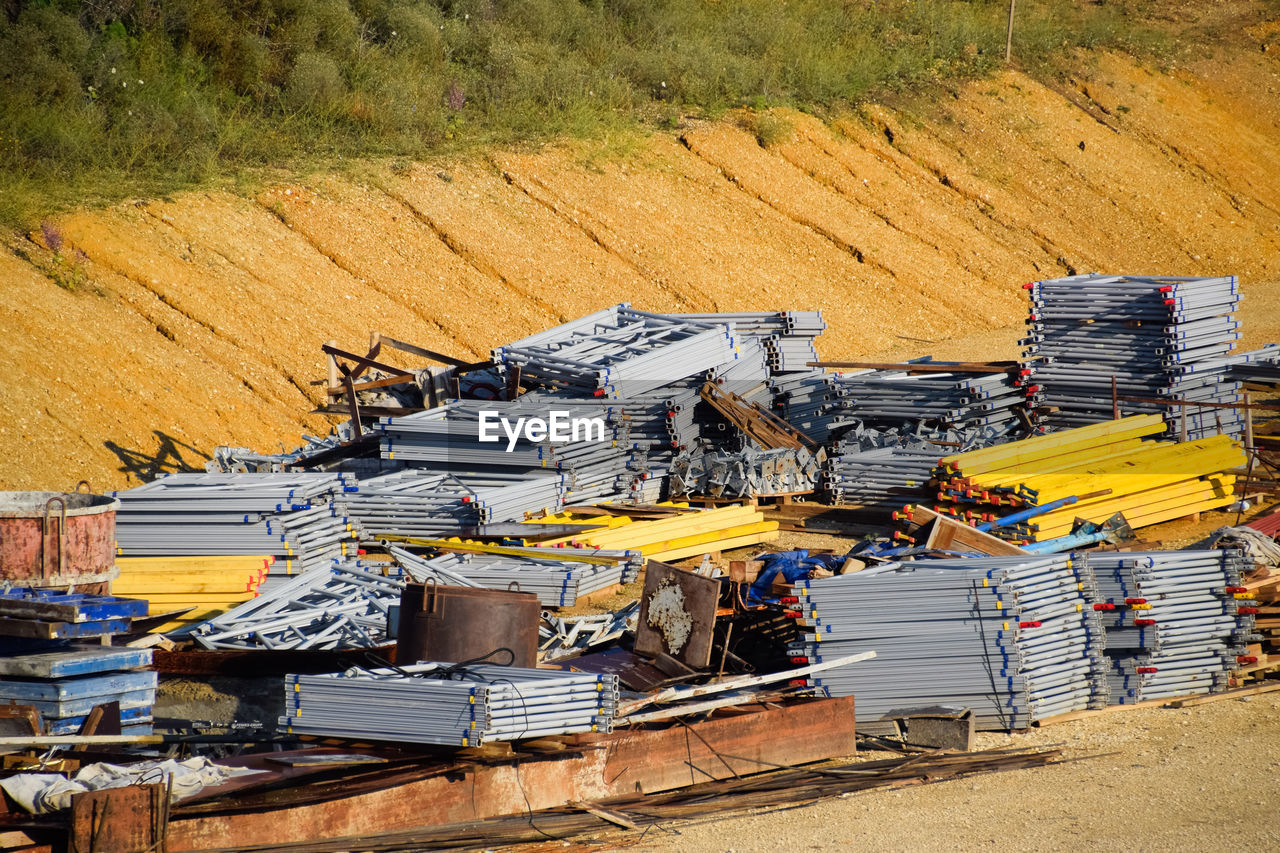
230,86
315,83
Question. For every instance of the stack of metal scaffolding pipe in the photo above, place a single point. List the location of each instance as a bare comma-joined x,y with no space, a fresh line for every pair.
554,575
786,336
293,517
416,502
449,704
890,397
1177,622
343,606
619,351
892,468
1154,337
1012,638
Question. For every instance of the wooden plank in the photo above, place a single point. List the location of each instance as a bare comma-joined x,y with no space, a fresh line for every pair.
1238,693
39,630
947,534
68,689
81,740
432,355
616,818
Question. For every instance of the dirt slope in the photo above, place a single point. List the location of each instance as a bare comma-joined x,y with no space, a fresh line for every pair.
198,320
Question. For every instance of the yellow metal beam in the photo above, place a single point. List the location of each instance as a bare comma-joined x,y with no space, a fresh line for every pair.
1049,446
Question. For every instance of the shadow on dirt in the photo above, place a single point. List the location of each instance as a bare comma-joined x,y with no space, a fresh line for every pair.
167,459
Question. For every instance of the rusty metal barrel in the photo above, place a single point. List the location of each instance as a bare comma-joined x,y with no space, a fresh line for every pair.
58,539
459,623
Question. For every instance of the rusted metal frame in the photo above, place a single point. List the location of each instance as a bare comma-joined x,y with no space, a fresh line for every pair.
398,379
62,537
369,411
349,383
361,363
432,355
764,427
769,789
513,383
1248,474
610,765
781,424
754,427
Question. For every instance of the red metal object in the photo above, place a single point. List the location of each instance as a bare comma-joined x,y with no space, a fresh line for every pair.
455,623
623,762
60,539
1268,524
128,819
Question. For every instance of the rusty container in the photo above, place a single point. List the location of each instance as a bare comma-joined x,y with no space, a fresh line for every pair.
460,623
58,539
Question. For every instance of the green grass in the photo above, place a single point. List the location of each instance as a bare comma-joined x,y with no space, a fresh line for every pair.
125,98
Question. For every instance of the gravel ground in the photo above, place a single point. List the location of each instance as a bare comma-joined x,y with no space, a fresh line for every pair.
1151,779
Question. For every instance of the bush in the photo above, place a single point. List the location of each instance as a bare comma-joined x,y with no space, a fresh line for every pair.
315,83
125,97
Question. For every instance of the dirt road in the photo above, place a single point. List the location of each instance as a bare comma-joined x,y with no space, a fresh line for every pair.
1201,778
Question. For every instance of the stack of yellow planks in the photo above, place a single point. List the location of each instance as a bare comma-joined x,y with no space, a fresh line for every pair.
688,534
1118,462
210,584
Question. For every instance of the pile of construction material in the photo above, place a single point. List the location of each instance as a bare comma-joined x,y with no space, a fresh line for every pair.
342,606
291,517
684,532
964,400
1262,580
66,684
618,352
891,469
1155,337
559,577
1177,622
1014,639
192,588
581,449
747,473
449,705
1090,473
418,502
1259,365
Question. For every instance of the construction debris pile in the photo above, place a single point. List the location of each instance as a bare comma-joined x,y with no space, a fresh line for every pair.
1090,472
342,606
1014,639
1150,338
67,687
449,705
461,509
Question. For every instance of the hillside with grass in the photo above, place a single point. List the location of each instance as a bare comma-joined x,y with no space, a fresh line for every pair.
143,324
118,98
